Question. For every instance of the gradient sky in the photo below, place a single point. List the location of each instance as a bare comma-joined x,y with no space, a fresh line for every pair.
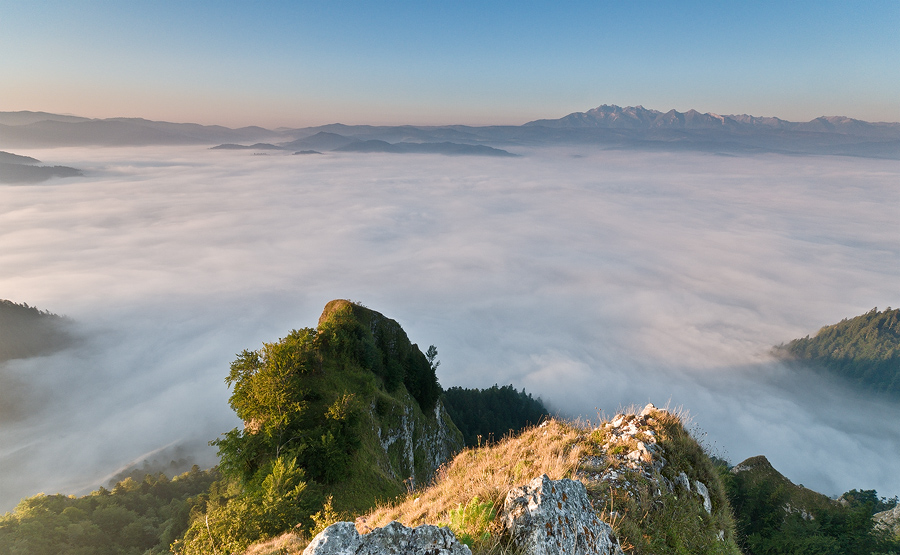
305,63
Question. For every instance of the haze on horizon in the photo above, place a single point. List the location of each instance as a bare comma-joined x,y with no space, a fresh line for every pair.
307,63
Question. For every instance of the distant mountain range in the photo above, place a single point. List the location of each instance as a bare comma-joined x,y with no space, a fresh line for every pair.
638,117
41,129
604,127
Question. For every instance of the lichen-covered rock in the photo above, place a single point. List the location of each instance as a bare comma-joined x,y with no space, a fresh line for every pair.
394,539
339,538
555,517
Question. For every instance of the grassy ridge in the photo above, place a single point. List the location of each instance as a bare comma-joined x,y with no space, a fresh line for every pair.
646,516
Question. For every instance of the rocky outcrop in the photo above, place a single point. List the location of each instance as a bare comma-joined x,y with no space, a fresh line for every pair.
415,444
888,520
342,539
550,517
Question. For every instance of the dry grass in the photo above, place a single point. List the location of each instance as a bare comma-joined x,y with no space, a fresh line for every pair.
478,480
289,543
468,493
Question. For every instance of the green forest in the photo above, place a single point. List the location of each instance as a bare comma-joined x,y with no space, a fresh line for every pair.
776,517
134,518
26,331
864,350
485,415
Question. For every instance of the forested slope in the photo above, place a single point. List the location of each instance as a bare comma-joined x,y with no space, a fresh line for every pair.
865,350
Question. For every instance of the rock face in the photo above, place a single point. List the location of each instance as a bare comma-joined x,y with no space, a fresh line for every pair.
550,517
415,444
342,539
888,520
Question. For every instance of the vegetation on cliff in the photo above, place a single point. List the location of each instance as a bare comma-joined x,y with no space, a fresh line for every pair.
775,516
865,350
348,419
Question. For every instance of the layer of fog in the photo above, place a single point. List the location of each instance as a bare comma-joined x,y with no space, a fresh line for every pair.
596,281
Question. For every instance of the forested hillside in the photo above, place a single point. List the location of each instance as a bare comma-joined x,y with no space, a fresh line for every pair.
136,517
865,350
776,517
26,331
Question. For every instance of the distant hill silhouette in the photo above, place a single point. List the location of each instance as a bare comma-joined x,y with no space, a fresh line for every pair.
446,148
257,146
15,168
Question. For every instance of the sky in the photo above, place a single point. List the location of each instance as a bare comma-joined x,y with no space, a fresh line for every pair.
298,63
595,279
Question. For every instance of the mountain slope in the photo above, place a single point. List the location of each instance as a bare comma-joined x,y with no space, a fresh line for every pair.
26,331
638,117
15,168
775,516
864,350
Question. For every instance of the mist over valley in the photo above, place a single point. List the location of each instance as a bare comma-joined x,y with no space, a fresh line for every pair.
594,278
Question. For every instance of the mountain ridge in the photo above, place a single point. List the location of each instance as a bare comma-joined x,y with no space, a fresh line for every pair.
604,127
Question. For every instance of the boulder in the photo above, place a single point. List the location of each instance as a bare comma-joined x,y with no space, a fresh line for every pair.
555,517
342,538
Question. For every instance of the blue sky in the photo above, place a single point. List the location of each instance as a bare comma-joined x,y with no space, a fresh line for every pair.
305,63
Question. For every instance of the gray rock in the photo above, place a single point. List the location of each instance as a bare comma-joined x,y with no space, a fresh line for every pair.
888,520
555,517
704,493
342,538
339,538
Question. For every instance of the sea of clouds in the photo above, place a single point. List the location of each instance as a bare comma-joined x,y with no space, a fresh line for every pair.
594,279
